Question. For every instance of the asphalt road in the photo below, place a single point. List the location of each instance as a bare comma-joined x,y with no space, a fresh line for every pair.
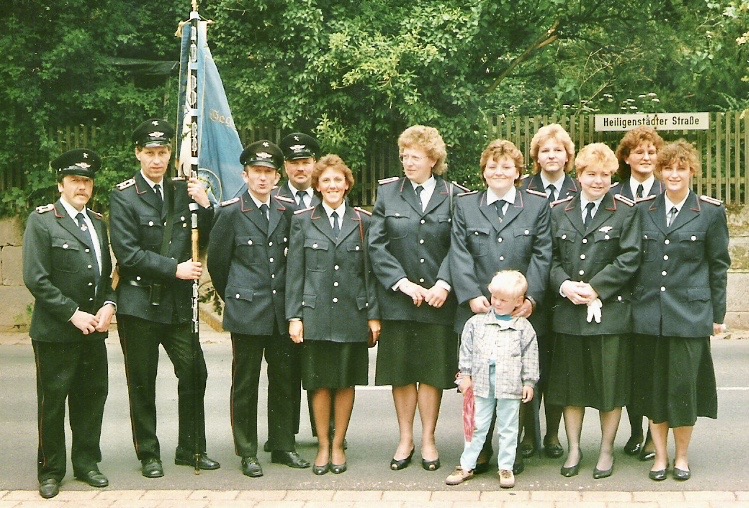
717,458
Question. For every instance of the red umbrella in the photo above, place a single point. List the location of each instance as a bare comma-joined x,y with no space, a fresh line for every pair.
469,414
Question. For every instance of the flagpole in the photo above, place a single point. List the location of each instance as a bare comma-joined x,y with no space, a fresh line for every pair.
191,101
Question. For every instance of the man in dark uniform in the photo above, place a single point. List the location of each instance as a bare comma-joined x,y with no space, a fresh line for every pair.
247,263
300,152
151,238
67,268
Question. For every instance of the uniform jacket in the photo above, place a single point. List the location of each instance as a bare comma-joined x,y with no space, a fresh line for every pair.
285,191
606,255
247,264
680,290
137,231
516,355
625,190
329,283
406,242
59,264
482,245
569,185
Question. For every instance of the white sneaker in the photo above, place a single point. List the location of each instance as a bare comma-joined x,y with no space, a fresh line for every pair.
459,476
506,479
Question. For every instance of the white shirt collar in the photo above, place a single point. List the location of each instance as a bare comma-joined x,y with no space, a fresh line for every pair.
257,202
509,196
150,182
341,209
584,202
71,209
646,185
557,185
294,190
428,185
670,204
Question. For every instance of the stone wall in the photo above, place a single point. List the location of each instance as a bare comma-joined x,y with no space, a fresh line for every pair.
16,300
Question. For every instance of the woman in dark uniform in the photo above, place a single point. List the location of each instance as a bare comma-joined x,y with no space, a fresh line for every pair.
637,153
501,228
680,300
331,305
409,242
596,250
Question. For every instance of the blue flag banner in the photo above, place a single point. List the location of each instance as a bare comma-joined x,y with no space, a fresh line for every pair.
219,144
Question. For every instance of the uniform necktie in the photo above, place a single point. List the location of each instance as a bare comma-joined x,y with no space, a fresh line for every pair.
336,225
418,190
640,190
300,199
81,220
157,190
588,213
671,216
264,210
500,206
551,190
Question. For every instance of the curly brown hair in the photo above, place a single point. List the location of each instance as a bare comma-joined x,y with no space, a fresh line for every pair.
502,148
631,140
429,140
332,161
681,151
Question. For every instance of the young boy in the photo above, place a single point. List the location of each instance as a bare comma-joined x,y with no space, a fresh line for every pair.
499,359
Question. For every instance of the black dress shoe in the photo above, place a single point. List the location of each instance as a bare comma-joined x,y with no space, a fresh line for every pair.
49,488
204,462
94,478
658,475
518,467
633,446
151,468
430,465
645,456
338,468
553,451
527,450
602,473
681,475
251,467
572,470
320,470
291,459
398,464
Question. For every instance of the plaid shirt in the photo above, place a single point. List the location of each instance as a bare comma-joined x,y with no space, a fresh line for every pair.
513,346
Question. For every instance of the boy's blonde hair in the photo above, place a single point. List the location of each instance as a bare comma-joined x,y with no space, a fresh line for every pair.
509,282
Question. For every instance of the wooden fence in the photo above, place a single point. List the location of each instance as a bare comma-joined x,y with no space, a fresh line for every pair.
724,148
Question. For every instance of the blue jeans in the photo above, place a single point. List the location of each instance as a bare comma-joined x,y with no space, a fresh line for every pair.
508,411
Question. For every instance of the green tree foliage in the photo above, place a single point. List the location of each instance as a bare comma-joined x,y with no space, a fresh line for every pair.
357,73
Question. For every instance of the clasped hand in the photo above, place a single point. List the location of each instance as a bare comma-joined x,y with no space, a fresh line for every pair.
434,296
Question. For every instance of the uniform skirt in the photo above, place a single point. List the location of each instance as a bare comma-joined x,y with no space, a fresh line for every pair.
327,364
674,379
409,352
590,371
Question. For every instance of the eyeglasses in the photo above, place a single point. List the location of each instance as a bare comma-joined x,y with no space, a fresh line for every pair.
412,158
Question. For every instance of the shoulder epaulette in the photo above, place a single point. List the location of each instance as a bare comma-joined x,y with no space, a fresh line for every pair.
45,208
537,193
362,210
614,184
646,198
178,179
127,183
275,187
523,177
559,201
624,199
284,199
95,214
463,188
229,201
469,193
388,180
304,210
712,201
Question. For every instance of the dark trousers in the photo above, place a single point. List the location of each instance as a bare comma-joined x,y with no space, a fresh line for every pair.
76,372
140,340
284,391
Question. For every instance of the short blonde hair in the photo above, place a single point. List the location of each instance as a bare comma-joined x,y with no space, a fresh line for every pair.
500,148
332,161
680,151
596,154
631,140
429,140
509,282
556,132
